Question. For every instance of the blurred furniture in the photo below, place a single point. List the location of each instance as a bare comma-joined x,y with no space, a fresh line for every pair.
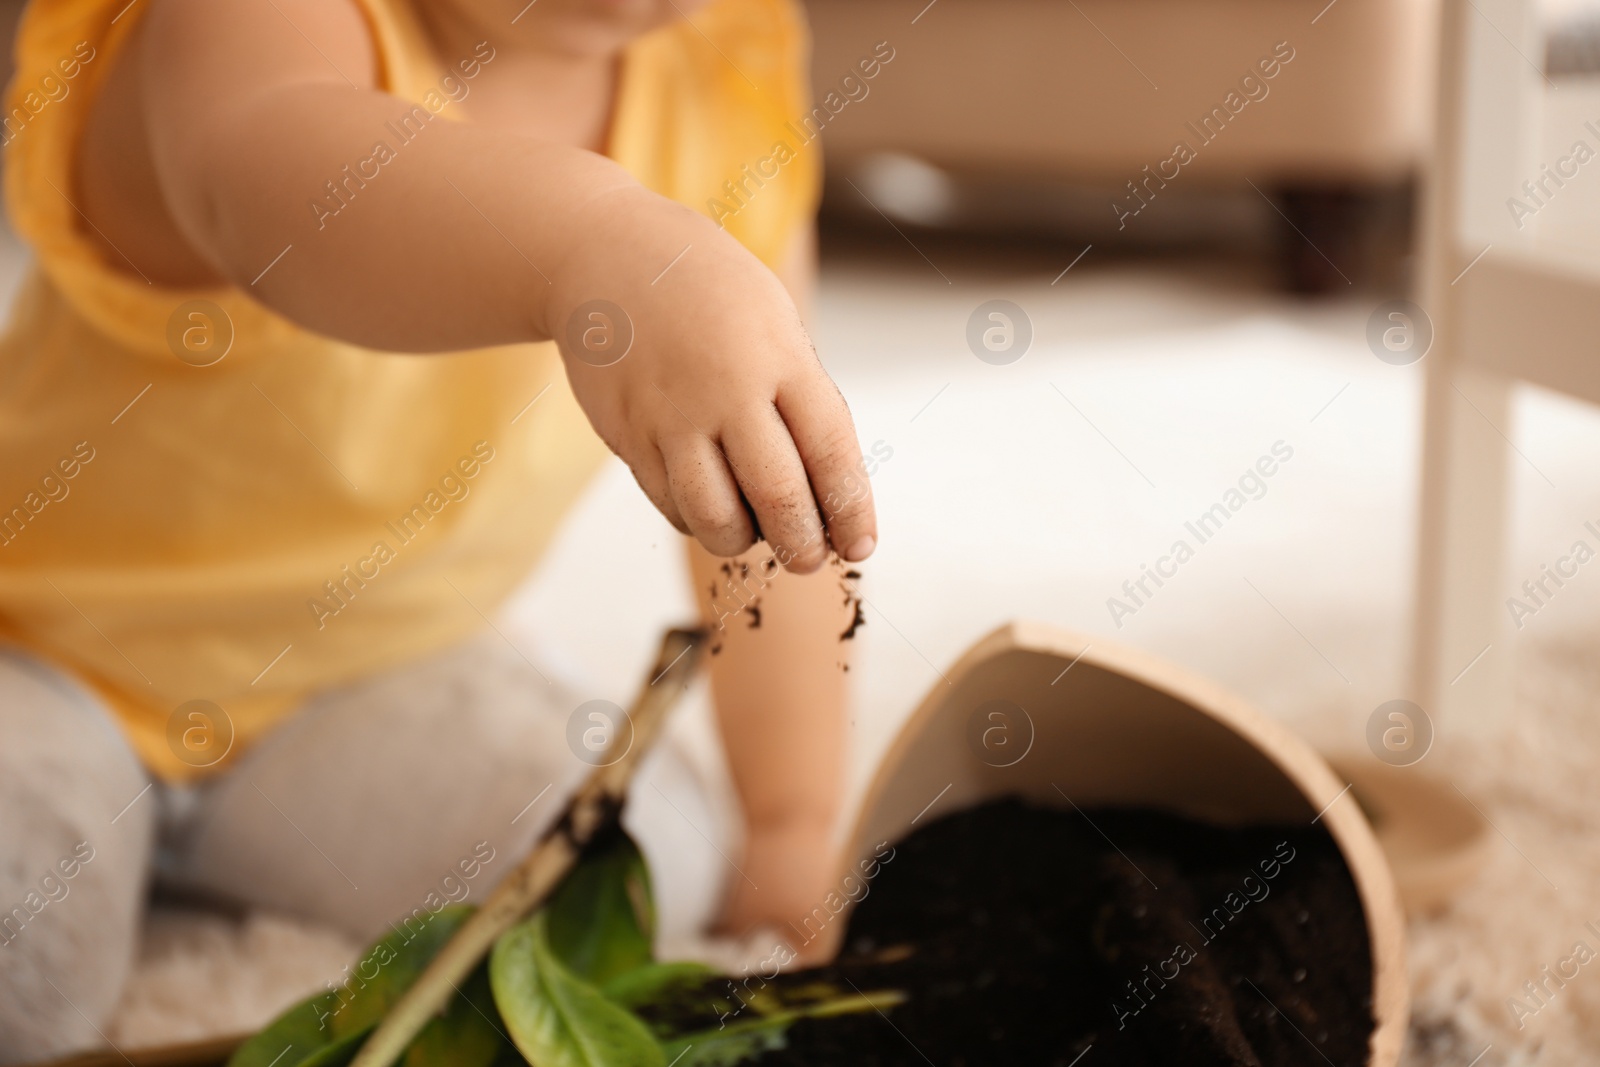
1513,295
1079,97
1104,87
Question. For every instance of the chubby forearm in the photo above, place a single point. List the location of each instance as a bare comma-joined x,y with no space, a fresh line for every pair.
362,215
397,229
778,684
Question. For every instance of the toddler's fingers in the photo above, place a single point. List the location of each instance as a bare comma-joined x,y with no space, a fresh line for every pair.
650,471
768,469
820,424
706,494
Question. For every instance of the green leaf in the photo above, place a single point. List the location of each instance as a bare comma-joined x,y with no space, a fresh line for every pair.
389,967
340,1052
718,1049
656,982
469,1033
763,1028
602,916
712,1020
326,1030
555,1017
292,1038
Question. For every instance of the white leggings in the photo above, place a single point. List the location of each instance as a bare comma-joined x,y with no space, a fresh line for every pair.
351,814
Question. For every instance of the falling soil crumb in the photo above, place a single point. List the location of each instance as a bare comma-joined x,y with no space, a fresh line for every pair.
716,640
739,582
852,597
1021,935
766,570
754,605
856,622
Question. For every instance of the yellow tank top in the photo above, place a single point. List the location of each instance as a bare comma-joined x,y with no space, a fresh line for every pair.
302,512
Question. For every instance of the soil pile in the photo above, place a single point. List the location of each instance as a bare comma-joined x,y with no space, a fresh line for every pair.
1023,936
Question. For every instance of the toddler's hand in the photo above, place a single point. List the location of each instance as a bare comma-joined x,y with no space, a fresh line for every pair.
692,364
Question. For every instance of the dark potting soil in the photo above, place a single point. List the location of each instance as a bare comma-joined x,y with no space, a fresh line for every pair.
1032,937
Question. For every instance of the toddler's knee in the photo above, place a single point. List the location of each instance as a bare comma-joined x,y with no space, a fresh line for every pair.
72,863
68,925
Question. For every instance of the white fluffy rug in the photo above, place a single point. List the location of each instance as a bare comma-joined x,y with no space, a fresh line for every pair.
1522,920
201,976
1034,490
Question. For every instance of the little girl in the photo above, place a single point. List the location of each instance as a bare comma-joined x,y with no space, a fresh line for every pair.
282,427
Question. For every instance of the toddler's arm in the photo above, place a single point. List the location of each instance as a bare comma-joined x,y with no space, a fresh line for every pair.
470,237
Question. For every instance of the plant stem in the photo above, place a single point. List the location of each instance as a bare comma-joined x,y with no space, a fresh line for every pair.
595,805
